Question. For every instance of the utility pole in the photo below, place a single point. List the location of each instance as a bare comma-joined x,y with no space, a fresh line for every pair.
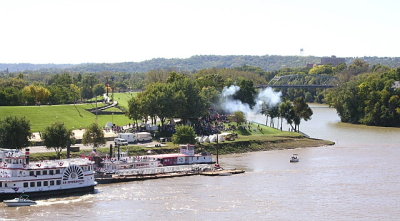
217,150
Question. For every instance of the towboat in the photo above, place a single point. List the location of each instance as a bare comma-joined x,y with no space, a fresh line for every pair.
294,158
21,201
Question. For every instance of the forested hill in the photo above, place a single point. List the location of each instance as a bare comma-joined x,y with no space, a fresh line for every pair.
267,62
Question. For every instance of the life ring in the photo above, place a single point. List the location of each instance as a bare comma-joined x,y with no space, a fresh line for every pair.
61,163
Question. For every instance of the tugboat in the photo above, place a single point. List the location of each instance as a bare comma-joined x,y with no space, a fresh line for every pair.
294,158
21,201
45,178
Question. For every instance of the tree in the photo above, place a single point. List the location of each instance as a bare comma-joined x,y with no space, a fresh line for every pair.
75,92
210,95
265,111
184,135
238,117
58,137
14,132
286,111
93,135
99,89
35,94
370,99
186,99
159,99
321,69
273,113
210,80
156,76
135,110
246,93
302,110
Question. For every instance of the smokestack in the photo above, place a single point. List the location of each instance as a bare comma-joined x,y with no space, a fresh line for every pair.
27,156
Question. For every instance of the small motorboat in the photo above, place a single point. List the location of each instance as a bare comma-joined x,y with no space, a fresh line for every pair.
294,158
21,201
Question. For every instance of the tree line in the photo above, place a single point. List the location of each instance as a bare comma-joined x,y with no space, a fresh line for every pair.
15,133
370,98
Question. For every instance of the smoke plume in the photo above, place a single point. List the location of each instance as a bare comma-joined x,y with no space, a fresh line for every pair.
230,105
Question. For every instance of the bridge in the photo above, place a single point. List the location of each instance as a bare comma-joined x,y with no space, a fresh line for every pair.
302,81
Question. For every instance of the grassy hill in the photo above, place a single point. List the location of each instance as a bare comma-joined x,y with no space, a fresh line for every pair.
123,98
74,116
198,62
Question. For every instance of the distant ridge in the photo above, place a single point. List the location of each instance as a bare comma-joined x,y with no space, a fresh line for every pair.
194,63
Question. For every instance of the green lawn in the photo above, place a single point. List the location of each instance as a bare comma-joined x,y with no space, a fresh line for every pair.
74,117
123,98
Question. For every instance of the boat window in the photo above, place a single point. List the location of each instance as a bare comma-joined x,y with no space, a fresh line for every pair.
14,161
32,184
8,161
31,173
57,171
20,161
51,182
51,172
58,182
39,183
1,184
26,184
38,173
5,184
1,160
45,183
44,172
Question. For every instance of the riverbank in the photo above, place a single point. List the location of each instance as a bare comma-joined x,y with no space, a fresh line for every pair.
251,137
227,147
278,143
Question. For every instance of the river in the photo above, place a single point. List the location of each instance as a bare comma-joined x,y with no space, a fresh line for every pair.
356,179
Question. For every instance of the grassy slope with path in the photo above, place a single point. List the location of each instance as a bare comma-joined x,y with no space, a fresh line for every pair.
123,98
74,116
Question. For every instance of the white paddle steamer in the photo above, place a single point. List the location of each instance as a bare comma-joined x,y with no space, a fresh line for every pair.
45,178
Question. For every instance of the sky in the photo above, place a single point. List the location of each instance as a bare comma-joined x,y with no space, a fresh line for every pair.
81,31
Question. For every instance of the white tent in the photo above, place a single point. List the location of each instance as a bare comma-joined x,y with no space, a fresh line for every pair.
108,125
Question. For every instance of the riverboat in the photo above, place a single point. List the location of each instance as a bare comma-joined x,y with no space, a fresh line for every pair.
45,178
138,164
294,158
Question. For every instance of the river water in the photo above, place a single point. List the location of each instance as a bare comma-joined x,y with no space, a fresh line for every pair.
356,179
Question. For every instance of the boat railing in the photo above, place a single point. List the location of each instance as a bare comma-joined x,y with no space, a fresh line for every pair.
165,169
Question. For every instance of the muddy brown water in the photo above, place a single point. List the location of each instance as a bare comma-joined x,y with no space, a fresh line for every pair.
356,179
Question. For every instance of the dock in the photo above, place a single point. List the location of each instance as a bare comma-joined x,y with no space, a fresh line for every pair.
223,172
133,175
128,178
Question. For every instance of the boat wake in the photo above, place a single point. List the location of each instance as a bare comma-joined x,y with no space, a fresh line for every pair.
66,200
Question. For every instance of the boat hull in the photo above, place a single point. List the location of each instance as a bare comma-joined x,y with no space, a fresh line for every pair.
15,204
48,194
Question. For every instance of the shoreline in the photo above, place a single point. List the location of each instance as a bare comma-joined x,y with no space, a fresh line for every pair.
266,145
227,147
